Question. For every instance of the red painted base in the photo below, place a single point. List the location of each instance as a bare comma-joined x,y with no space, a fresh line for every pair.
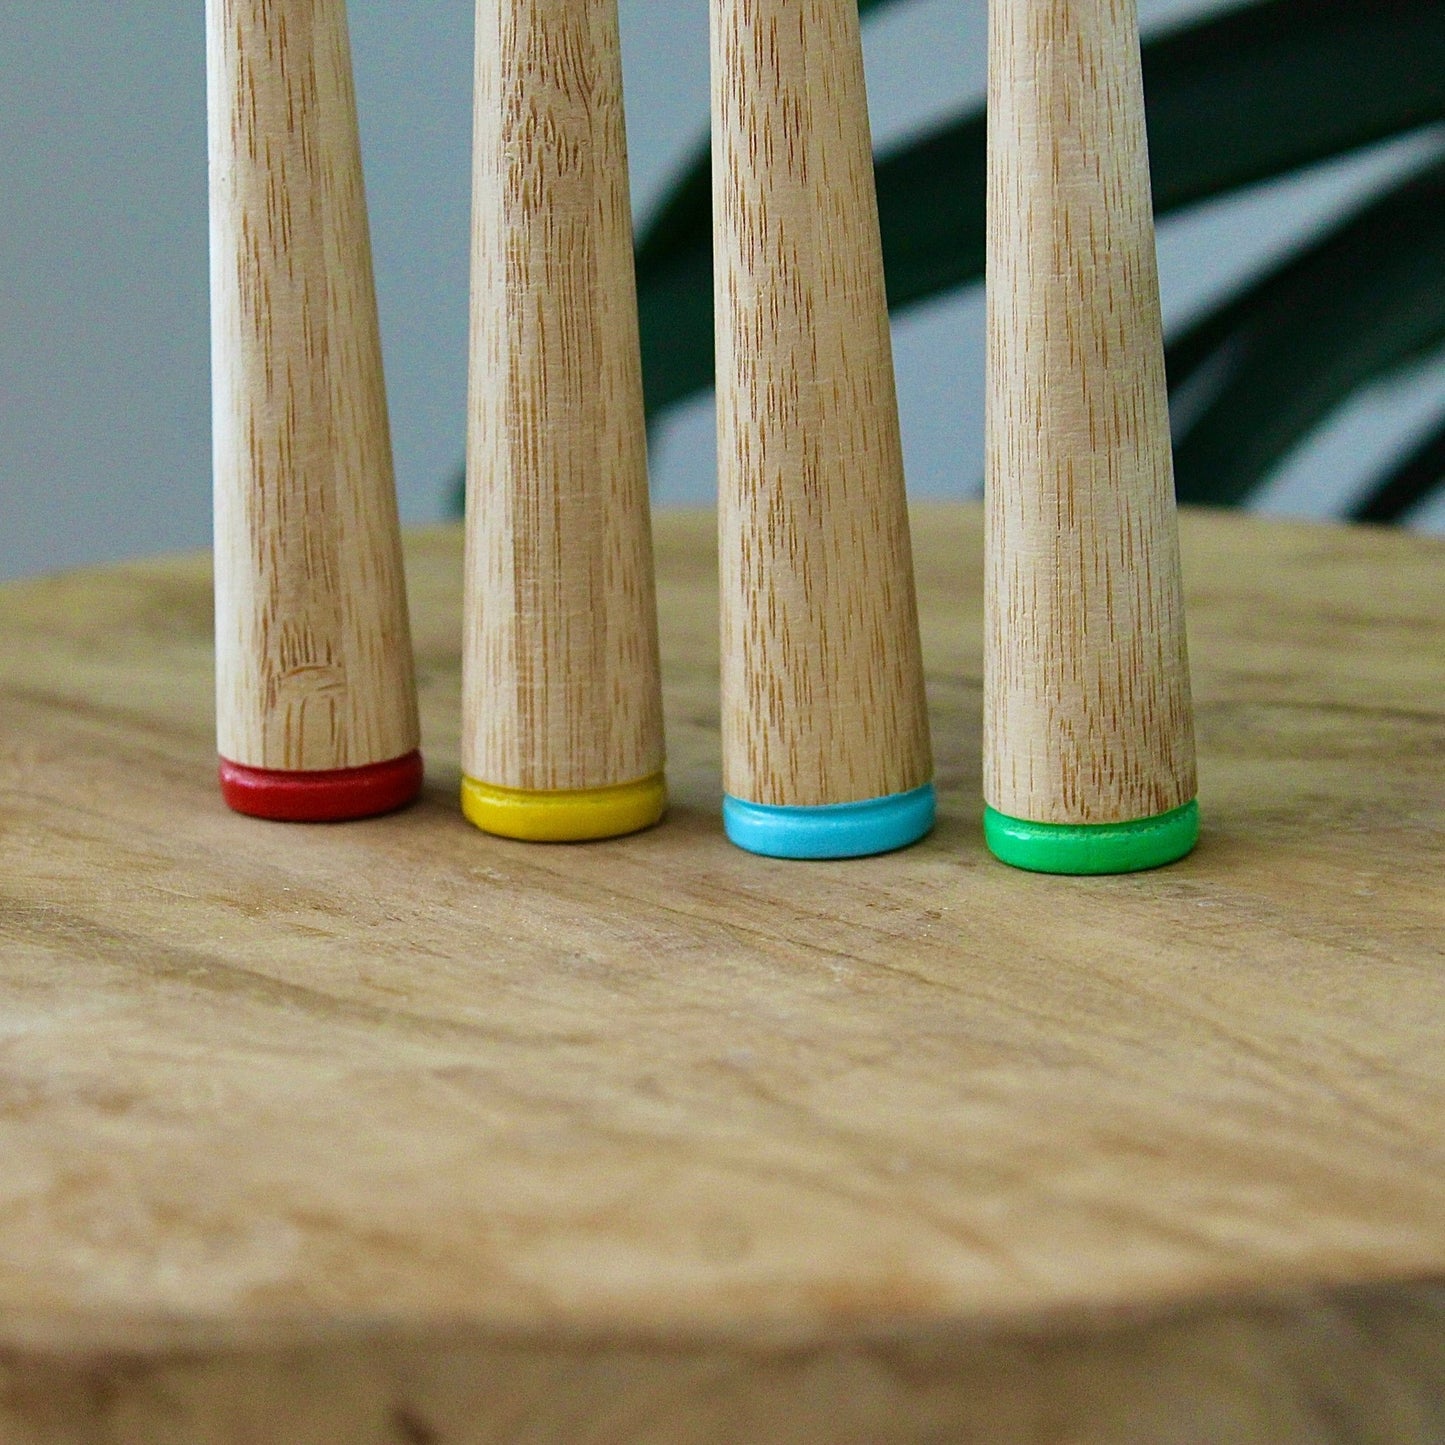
322,797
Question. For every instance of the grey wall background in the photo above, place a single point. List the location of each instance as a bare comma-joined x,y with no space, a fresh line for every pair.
104,403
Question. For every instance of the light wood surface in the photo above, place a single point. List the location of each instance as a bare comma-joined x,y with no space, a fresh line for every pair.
561,681
394,1132
821,679
1087,675
314,660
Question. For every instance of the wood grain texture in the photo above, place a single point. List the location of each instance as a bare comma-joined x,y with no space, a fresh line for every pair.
314,659
394,1132
822,682
1087,684
561,686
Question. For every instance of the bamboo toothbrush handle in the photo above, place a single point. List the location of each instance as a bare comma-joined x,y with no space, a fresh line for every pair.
562,690
314,662
1088,715
822,683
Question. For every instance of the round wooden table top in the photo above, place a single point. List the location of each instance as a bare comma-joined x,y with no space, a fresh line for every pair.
394,1132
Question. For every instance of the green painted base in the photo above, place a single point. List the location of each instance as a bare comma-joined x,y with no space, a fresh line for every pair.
1083,848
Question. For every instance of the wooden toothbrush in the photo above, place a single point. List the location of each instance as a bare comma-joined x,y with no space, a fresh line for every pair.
825,729
562,736
1088,734
315,693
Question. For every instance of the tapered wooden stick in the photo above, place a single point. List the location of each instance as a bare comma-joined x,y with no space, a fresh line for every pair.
1088,738
825,731
316,700
562,705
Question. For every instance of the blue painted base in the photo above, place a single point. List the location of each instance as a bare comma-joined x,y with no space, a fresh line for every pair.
831,830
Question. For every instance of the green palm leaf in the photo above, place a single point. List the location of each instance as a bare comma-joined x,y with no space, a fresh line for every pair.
1407,484
1362,302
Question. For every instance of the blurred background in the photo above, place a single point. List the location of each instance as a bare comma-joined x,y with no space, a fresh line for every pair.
104,389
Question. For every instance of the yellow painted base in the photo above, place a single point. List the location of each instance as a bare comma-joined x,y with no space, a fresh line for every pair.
575,816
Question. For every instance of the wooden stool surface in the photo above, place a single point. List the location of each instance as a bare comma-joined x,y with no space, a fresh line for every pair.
391,1131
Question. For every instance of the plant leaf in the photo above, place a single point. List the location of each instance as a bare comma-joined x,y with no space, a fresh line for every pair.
1360,303
1406,484
1249,94
1268,88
